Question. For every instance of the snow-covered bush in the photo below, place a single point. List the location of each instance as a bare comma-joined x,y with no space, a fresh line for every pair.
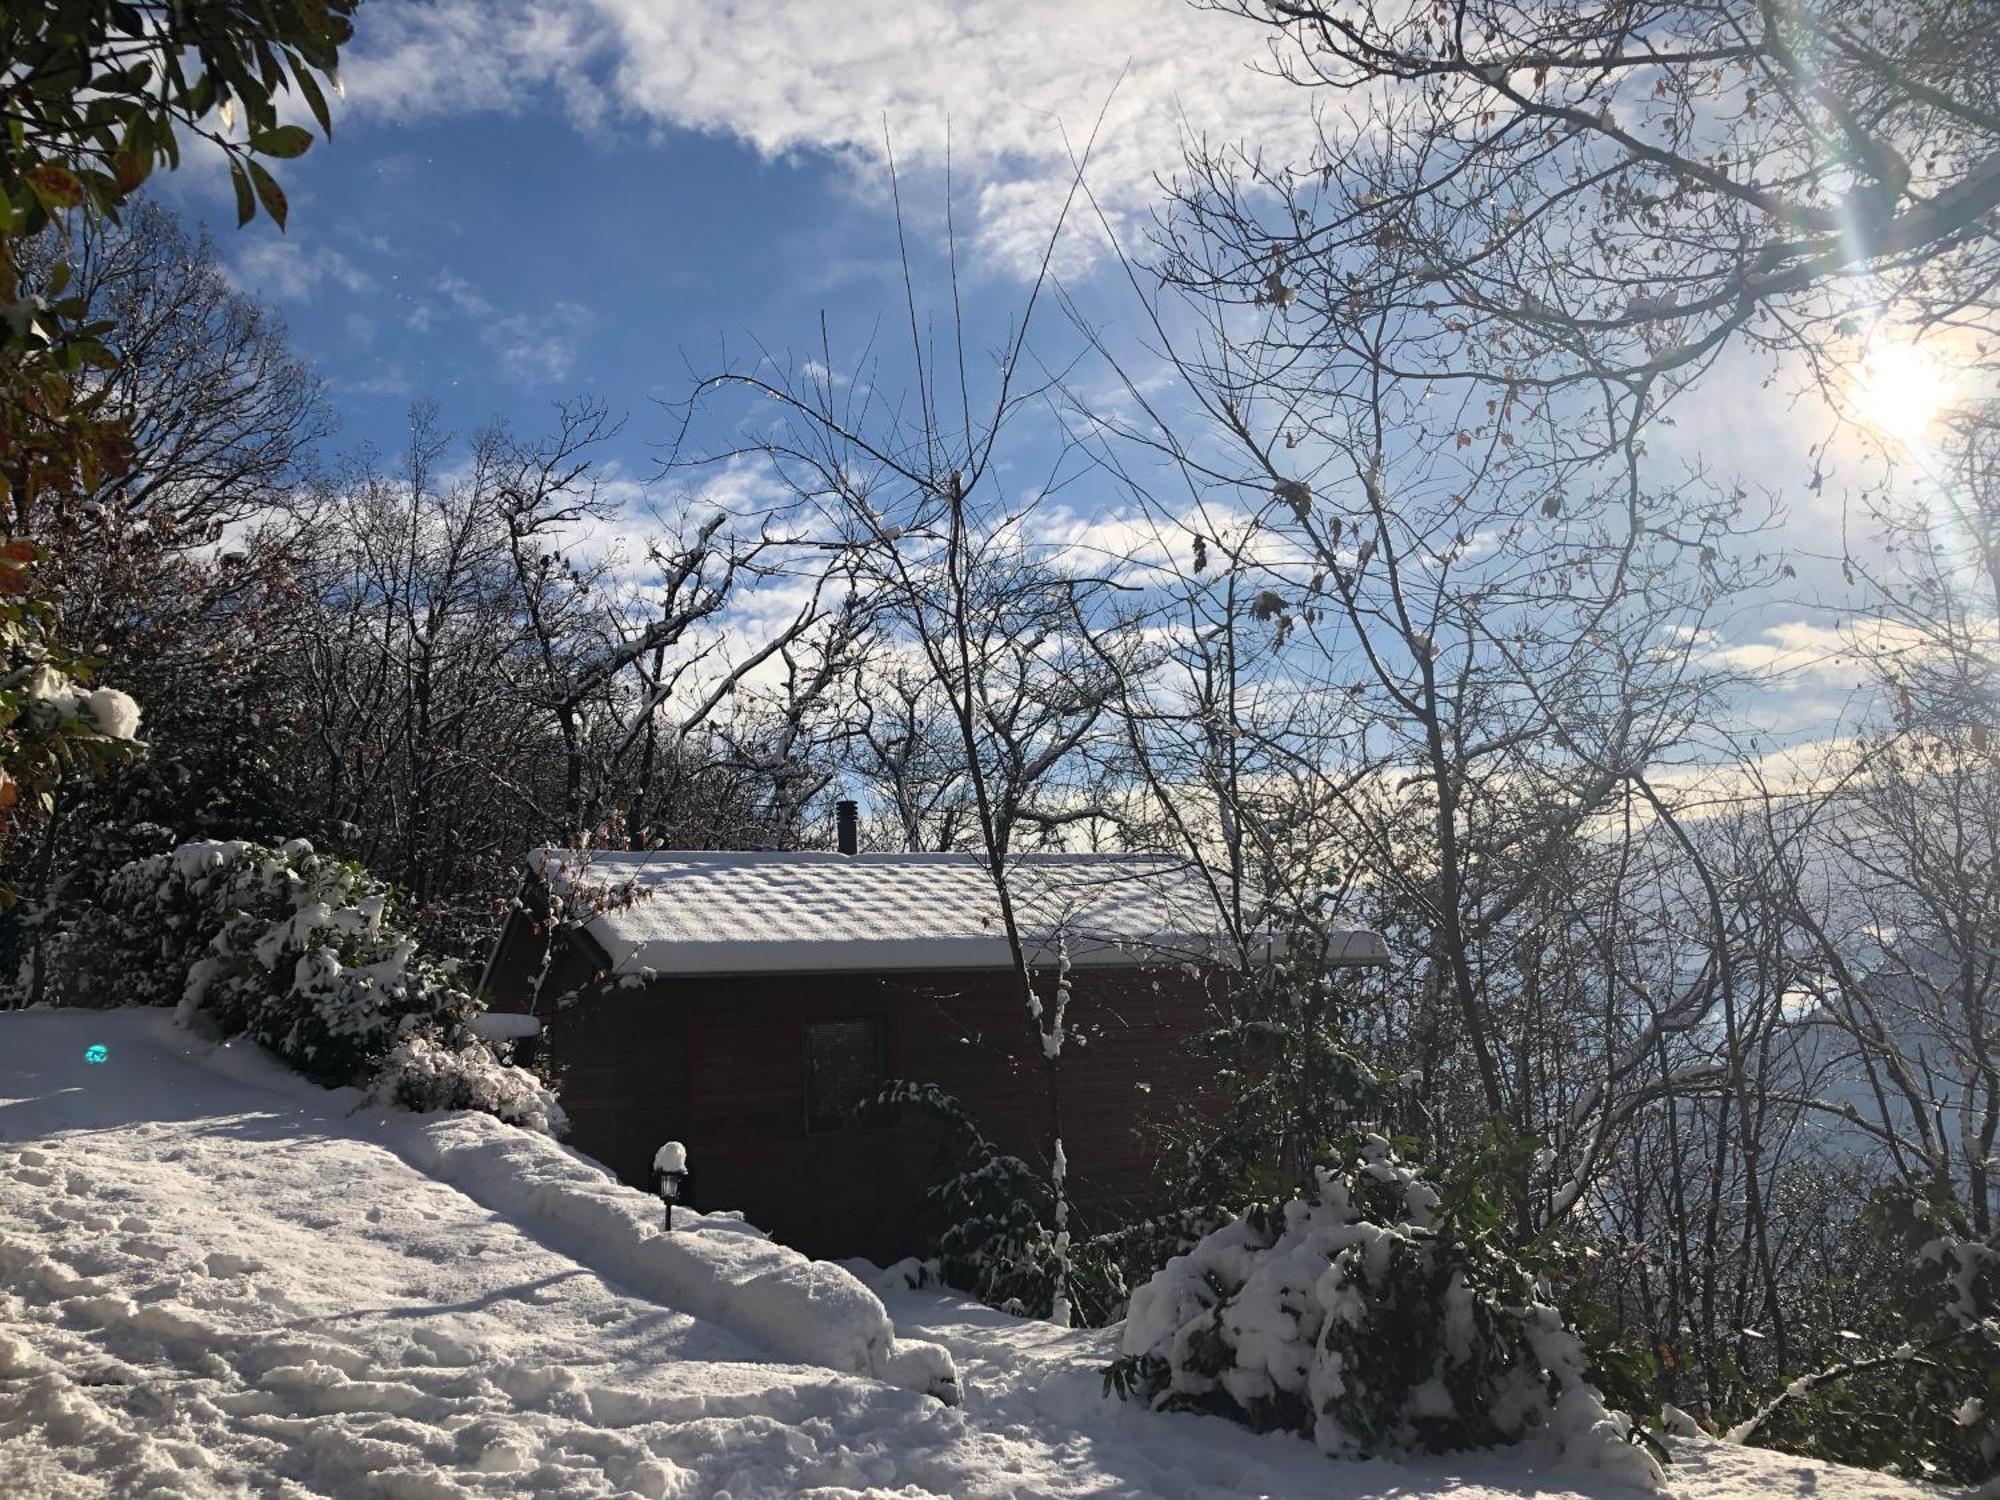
1372,1318
92,859
1912,1383
126,936
300,953
996,1239
424,1074
1290,1082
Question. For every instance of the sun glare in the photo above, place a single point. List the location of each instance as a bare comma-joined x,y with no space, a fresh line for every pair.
1899,390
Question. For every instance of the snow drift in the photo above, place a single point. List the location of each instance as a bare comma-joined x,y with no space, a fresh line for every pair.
714,1266
216,1281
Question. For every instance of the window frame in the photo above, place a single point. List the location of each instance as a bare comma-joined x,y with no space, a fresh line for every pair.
879,1024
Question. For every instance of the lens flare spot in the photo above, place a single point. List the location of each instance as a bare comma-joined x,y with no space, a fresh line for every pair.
97,1052
1900,390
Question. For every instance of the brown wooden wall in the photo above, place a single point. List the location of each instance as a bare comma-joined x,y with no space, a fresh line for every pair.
719,1063
509,980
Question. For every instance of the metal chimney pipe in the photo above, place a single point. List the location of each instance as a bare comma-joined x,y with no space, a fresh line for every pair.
846,815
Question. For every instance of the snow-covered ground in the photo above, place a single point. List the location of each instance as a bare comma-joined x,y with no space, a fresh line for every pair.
215,1280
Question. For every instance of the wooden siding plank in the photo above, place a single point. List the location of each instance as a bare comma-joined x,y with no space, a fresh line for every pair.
733,1049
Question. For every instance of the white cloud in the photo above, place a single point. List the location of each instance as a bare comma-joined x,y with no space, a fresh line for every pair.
290,270
1125,542
1793,652
463,56
1836,655
1007,89
533,348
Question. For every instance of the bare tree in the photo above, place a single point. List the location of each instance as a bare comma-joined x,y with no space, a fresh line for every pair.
906,748
1486,648
608,661
222,417
1000,634
403,667
1609,199
214,418
1895,851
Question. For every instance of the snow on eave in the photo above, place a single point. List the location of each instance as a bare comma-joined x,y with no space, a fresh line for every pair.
504,1026
689,913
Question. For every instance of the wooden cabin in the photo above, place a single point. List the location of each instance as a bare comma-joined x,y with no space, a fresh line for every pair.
744,1003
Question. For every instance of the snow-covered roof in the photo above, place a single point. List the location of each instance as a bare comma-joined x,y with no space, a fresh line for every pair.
678,912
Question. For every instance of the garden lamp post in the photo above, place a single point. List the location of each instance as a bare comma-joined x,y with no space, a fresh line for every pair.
670,1169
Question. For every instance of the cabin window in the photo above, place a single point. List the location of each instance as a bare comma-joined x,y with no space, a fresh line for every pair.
843,1068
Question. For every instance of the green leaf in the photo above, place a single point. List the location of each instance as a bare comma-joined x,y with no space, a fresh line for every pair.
161,133
268,192
283,141
269,71
246,203
315,100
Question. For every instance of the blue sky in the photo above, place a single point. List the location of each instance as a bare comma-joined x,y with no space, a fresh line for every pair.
527,200
499,262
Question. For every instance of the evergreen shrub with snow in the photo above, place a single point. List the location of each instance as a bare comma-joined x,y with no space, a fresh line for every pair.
1375,1318
1293,1083
994,1242
301,953
997,1242
1913,1384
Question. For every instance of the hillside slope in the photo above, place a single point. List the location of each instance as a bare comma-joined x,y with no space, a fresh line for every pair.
215,1281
